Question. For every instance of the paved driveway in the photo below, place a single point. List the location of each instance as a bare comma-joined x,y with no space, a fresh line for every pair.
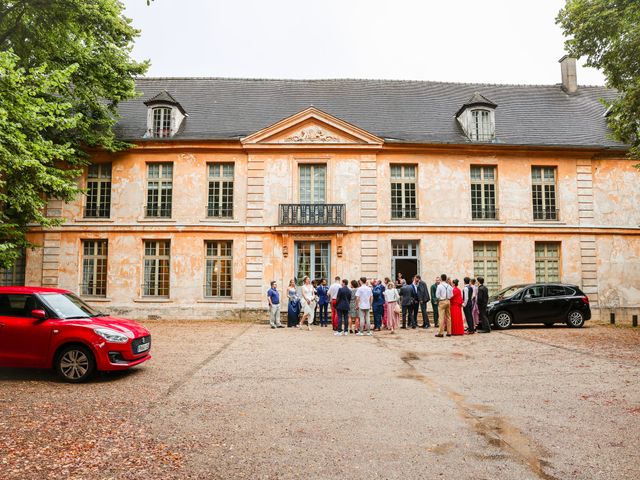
244,401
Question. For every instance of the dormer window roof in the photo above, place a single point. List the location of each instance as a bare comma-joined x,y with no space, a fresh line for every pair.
164,116
477,118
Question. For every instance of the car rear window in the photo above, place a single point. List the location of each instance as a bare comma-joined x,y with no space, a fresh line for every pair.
556,291
18,305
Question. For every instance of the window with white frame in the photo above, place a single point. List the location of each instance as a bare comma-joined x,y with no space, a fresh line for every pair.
94,268
543,189
220,196
481,125
486,263
98,204
161,126
313,183
159,189
157,261
403,192
218,268
483,193
547,256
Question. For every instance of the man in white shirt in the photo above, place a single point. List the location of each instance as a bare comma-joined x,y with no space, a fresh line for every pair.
444,292
333,295
363,303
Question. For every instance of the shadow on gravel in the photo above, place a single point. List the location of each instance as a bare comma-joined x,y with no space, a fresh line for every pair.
44,375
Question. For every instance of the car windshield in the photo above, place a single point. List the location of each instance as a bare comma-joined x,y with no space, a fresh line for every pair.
67,305
507,292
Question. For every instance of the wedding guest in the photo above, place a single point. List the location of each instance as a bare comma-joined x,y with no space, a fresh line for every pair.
333,293
273,297
423,300
409,296
434,301
391,297
483,301
308,302
385,317
323,302
293,310
353,308
343,303
378,304
467,305
457,324
474,299
444,292
363,301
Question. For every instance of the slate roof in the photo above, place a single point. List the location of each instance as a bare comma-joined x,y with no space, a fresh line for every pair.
476,100
397,111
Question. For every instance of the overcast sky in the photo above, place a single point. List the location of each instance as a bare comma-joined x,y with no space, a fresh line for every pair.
487,41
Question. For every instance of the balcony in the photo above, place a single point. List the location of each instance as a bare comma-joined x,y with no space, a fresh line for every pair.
312,214
546,214
484,213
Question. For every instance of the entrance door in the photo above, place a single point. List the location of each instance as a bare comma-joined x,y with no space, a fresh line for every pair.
312,260
405,258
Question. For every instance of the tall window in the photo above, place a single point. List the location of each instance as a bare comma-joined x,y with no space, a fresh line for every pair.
312,260
159,189
98,191
483,193
403,191
157,258
313,183
94,268
486,263
481,125
543,180
14,276
547,262
219,268
220,204
161,122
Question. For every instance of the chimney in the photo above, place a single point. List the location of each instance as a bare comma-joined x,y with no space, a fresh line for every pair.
569,77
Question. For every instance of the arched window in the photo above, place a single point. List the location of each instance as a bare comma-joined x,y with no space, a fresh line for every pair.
161,122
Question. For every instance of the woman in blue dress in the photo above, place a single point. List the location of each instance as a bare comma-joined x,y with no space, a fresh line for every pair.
293,310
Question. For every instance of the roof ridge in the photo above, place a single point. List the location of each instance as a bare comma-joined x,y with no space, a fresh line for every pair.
381,80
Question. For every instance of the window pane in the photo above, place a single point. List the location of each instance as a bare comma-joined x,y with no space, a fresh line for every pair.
156,268
218,266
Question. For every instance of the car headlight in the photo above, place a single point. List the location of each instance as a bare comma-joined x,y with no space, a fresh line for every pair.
111,335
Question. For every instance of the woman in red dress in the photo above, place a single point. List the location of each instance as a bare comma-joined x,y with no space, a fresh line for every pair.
457,323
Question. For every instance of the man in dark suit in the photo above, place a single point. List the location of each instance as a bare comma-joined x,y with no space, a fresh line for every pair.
409,298
483,301
423,299
434,301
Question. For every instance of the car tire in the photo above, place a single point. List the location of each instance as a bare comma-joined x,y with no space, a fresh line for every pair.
75,364
503,320
575,319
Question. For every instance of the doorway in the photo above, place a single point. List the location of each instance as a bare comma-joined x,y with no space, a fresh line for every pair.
312,260
405,259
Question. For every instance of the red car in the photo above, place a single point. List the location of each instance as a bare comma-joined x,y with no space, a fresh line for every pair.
52,328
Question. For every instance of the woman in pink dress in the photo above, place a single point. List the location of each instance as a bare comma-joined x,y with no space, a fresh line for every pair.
457,323
391,298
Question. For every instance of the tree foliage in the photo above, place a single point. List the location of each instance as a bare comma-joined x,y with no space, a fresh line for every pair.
607,33
64,67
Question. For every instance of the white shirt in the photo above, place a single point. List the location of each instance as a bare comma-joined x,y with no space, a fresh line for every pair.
364,293
444,291
391,295
333,291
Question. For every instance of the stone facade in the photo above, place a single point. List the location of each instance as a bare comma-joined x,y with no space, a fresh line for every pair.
596,228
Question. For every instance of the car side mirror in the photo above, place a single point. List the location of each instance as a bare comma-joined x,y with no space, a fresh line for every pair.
39,314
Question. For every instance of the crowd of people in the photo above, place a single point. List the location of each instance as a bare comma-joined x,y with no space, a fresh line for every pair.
393,305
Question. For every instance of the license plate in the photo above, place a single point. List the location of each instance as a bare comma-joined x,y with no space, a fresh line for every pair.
143,347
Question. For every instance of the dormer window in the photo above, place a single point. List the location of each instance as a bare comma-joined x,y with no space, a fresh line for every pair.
161,122
477,119
165,116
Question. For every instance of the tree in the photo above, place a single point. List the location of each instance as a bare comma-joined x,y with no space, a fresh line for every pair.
607,33
64,67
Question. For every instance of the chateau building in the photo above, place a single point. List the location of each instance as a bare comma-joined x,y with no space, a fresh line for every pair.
232,183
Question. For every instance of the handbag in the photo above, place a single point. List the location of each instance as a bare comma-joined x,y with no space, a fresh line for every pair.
397,308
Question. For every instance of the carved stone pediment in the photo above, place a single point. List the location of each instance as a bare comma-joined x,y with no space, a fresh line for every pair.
312,127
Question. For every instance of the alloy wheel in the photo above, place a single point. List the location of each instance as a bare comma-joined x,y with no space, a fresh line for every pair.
576,319
74,364
503,320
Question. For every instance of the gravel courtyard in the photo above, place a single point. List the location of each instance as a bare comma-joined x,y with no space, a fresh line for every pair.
239,400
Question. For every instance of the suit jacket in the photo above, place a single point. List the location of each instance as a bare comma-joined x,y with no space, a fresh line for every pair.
483,296
322,291
343,299
423,292
408,295
434,298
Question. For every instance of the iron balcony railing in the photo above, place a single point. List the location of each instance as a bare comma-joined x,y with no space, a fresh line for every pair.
484,213
546,214
316,214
